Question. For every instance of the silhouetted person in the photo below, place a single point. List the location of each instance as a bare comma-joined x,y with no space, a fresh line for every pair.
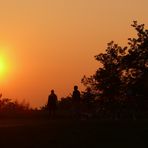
52,103
76,101
76,94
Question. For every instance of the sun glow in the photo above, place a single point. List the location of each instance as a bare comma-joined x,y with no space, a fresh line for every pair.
3,67
5,63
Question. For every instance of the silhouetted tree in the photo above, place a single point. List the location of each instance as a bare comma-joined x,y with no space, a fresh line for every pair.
136,67
123,72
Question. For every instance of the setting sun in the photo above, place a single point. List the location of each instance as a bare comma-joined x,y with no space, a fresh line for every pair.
3,67
5,63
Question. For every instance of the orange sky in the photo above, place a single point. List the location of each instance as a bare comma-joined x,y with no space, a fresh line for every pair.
49,44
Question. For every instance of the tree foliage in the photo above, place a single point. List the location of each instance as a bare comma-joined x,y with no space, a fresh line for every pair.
124,70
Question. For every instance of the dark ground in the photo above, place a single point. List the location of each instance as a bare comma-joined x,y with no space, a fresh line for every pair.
41,133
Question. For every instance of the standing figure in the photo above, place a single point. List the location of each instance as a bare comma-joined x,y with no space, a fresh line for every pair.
76,94
52,103
76,101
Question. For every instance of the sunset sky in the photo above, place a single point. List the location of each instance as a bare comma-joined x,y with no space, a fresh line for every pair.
51,44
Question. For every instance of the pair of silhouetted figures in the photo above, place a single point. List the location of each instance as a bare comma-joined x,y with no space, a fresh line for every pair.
52,101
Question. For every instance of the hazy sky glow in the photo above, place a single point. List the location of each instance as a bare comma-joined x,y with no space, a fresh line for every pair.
51,43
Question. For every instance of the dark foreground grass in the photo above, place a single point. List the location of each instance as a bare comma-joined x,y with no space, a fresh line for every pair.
23,133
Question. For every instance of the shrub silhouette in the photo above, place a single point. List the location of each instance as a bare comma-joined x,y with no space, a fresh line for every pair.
8,107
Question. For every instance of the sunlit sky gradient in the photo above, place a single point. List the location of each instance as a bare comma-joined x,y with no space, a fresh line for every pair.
51,43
